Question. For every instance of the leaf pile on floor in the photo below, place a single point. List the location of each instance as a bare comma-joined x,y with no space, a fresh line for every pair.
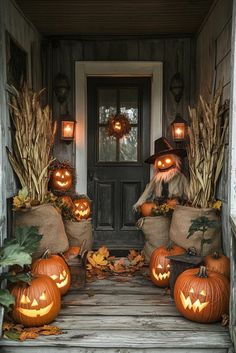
101,265
18,332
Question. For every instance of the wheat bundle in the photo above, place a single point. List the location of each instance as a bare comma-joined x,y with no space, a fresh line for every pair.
206,147
32,140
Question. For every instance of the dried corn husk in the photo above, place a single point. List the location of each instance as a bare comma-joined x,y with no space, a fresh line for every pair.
32,140
207,135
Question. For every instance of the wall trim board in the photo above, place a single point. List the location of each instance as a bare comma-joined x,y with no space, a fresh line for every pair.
85,69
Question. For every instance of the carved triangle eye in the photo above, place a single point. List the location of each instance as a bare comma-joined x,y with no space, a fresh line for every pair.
43,296
159,266
203,292
191,290
25,299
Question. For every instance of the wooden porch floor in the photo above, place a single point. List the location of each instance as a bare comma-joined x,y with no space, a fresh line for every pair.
134,316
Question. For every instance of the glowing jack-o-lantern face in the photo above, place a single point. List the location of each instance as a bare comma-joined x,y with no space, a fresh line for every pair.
201,296
117,126
37,303
82,209
165,162
159,268
62,179
54,267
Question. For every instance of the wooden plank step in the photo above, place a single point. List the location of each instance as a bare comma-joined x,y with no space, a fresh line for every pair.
134,323
118,299
110,350
118,290
128,339
132,310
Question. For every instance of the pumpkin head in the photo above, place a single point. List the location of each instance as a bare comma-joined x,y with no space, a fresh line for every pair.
37,303
146,208
218,263
159,267
62,179
82,208
165,162
54,267
202,296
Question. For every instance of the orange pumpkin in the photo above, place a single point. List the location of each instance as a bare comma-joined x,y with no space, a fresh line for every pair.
82,208
146,208
67,201
73,251
218,263
202,296
62,179
159,267
37,303
54,267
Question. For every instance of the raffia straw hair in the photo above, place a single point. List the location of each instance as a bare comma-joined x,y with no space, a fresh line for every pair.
206,147
169,174
33,137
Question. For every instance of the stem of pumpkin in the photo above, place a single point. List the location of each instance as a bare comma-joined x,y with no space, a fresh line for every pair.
202,272
46,254
216,255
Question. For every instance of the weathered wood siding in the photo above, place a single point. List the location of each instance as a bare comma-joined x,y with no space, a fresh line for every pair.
60,56
213,55
12,20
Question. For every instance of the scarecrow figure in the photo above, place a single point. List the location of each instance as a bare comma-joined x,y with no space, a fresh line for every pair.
168,182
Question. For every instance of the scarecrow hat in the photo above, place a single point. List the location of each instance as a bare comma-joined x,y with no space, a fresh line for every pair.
162,147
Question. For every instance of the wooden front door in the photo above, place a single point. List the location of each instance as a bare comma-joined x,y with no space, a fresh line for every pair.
117,173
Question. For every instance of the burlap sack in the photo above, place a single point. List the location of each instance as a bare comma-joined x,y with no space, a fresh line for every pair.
50,224
79,231
156,233
181,221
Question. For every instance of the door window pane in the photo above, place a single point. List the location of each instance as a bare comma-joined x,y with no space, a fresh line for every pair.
129,103
129,146
107,101
107,146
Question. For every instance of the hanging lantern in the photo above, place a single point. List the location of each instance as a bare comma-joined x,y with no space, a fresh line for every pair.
67,128
179,129
118,125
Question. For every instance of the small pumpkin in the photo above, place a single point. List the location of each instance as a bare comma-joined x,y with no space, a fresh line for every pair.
62,179
218,263
54,267
159,267
146,208
82,208
36,303
72,252
202,296
66,200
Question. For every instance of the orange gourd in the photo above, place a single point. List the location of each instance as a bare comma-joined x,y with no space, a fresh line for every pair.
159,267
146,208
202,296
218,263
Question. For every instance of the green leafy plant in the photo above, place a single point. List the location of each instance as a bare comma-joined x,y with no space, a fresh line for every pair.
202,224
17,251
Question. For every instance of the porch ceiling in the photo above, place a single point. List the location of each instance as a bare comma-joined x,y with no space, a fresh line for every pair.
116,17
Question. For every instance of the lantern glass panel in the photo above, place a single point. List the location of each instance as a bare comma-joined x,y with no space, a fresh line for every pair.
67,130
178,131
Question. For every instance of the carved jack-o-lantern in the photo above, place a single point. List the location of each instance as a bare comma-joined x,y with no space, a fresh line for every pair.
159,268
54,267
82,209
165,162
201,296
36,303
62,179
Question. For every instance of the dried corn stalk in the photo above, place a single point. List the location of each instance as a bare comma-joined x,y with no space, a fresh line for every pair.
207,134
32,140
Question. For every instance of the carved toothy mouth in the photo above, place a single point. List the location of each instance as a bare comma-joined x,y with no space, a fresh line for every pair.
63,283
187,303
161,276
62,183
34,312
